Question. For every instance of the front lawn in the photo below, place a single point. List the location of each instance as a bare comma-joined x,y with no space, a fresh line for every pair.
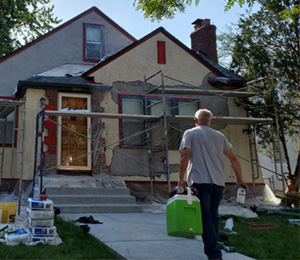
270,236
76,245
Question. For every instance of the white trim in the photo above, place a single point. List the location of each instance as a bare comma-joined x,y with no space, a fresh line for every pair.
59,104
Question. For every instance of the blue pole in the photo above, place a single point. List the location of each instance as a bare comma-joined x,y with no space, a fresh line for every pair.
36,147
42,148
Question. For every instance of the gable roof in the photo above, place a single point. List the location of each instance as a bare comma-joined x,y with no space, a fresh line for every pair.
203,59
92,9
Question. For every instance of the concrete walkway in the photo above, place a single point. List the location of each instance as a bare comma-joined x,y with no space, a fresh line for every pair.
143,236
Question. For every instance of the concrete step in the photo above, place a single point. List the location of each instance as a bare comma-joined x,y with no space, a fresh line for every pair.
99,208
86,190
91,199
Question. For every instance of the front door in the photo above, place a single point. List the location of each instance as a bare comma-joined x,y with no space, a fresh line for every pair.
74,133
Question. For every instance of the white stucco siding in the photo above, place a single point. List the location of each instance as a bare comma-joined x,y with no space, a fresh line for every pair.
32,108
111,132
241,146
141,61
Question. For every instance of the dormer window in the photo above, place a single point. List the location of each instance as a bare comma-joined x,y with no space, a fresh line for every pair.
93,42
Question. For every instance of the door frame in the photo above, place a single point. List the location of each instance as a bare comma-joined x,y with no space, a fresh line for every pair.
59,127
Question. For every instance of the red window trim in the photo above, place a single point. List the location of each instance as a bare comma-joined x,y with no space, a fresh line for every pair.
83,51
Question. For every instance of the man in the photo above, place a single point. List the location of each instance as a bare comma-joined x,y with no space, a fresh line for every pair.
202,150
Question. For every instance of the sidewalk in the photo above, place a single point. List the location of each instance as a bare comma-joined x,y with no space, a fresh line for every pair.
137,236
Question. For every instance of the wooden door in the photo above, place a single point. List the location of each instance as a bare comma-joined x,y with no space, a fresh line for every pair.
74,144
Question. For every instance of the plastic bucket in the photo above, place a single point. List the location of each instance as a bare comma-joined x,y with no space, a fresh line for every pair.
241,195
7,212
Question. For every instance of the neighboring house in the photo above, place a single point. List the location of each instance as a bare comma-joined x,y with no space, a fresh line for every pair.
119,103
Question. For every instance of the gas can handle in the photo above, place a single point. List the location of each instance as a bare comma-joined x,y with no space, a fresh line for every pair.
189,196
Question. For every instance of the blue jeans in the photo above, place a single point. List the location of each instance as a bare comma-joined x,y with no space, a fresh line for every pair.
210,196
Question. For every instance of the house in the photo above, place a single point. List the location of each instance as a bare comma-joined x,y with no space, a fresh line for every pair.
118,105
71,48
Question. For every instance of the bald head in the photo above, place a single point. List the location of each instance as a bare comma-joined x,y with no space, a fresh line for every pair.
203,117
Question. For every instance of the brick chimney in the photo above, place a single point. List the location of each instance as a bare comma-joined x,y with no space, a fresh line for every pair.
203,38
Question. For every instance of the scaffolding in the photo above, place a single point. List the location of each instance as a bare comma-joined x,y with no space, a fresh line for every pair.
8,107
165,120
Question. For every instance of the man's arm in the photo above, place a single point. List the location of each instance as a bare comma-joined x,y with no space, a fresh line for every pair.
235,164
184,161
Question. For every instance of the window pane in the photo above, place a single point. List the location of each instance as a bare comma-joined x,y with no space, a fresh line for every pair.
93,33
93,41
9,129
132,106
93,51
130,126
187,108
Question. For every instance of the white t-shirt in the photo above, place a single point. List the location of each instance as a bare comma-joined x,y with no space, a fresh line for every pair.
206,162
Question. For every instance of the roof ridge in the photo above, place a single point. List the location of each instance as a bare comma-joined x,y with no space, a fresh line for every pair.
63,25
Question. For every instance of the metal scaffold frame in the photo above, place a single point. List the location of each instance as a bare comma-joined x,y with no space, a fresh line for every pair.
164,120
8,106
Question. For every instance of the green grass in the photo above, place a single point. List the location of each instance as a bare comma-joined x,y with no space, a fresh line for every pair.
279,242
76,245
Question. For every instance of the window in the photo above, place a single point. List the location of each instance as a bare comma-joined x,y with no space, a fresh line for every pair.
7,130
93,42
132,105
130,128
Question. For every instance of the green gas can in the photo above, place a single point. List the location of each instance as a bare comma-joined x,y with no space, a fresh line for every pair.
184,216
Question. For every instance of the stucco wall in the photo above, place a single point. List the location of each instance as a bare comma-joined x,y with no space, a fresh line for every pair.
141,62
63,46
32,108
121,163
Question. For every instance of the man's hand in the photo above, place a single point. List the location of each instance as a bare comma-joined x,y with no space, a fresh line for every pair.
181,183
242,183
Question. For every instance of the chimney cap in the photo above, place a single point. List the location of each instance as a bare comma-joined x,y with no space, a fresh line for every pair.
197,22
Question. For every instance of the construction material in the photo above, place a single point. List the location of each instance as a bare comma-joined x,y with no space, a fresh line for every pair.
184,217
41,221
42,231
7,212
241,195
40,214
229,224
38,204
18,236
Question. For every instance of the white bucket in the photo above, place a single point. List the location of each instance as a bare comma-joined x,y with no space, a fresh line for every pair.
241,195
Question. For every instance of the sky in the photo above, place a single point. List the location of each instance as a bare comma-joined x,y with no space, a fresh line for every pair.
124,14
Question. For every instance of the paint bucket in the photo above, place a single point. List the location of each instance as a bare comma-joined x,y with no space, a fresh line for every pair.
241,195
7,212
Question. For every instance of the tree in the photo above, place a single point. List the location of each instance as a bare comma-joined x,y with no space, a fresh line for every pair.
158,9
22,21
268,46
